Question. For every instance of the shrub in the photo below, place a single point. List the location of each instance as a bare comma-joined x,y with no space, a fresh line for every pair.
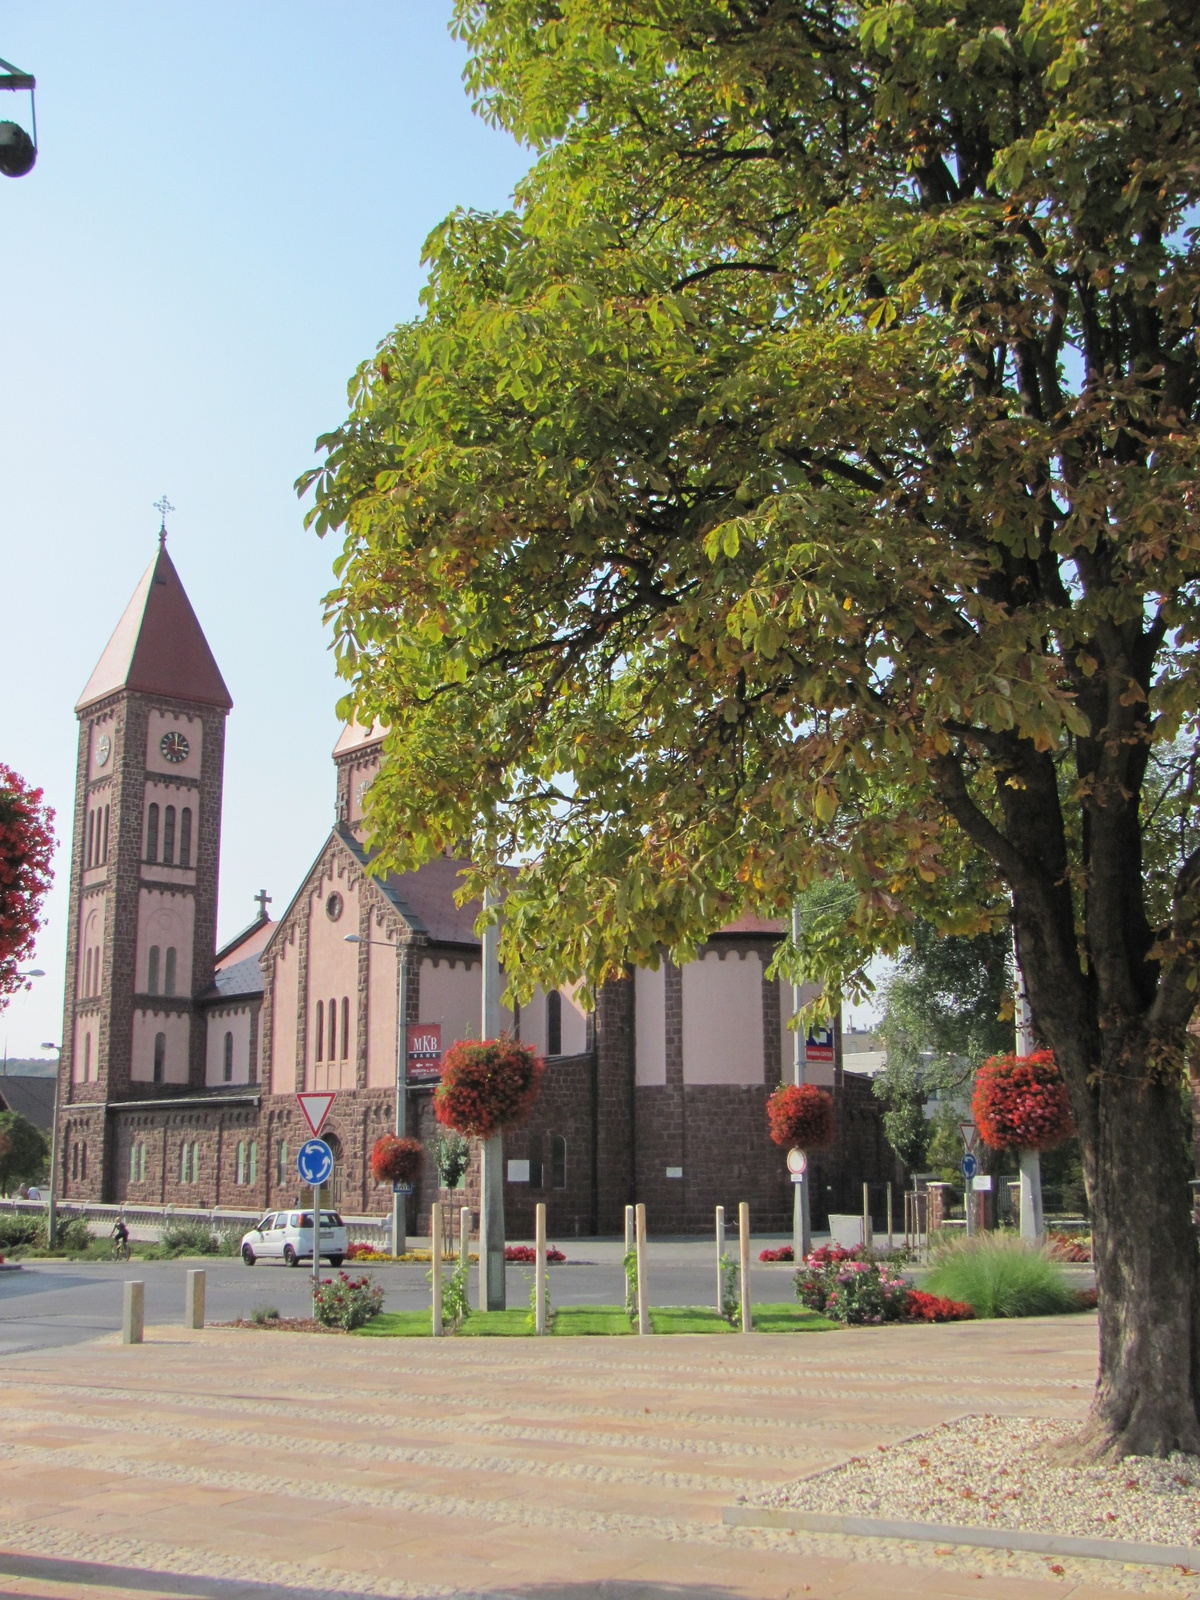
849,1290
1021,1103
17,1231
452,1157
922,1307
345,1302
74,1236
188,1239
801,1114
783,1253
1001,1277
262,1315
396,1160
487,1087
526,1254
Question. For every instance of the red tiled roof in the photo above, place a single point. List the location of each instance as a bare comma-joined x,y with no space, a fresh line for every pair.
158,646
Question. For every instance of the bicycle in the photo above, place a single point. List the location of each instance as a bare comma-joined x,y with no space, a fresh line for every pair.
119,1250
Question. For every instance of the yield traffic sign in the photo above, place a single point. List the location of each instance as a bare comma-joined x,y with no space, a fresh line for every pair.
316,1107
968,1131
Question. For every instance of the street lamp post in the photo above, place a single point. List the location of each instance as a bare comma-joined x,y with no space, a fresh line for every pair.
52,1195
399,1228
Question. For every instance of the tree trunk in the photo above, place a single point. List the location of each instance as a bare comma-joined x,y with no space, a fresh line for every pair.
1145,1253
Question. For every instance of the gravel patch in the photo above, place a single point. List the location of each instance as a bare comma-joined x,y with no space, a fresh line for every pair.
997,1472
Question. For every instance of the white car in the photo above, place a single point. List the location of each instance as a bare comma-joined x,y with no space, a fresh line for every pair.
288,1236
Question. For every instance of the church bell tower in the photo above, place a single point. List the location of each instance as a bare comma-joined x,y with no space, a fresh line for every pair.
144,863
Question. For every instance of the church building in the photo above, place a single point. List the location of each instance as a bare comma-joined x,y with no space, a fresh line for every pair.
181,1061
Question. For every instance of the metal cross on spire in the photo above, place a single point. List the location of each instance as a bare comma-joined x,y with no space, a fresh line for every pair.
264,900
162,507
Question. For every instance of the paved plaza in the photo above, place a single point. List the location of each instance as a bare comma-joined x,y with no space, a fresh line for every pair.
249,1464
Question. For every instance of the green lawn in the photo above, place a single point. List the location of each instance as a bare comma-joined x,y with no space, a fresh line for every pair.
604,1320
591,1319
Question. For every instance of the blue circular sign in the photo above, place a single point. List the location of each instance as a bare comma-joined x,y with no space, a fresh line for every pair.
969,1165
314,1161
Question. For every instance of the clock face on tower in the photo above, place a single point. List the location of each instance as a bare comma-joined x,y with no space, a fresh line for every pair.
103,750
174,748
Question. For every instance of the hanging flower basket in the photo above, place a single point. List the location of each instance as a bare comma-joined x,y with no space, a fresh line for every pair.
395,1160
801,1114
1021,1103
487,1086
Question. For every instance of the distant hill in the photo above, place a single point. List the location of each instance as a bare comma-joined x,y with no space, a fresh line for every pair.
29,1067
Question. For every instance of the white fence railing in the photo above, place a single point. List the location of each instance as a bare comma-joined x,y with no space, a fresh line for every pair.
147,1222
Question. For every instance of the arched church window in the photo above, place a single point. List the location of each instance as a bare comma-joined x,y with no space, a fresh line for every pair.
320,1030
281,1162
83,1159
133,1164
91,838
96,965
87,972
558,1161
152,832
75,1159
169,835
169,971
253,1178
554,1023
87,1057
345,1028
160,1056
104,843
333,1030
241,1161
185,837
152,970
229,1061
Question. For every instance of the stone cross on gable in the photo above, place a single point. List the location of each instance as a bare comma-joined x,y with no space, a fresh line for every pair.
264,900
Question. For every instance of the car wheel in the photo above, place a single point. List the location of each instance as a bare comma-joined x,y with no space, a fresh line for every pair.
248,1255
335,1261
290,1257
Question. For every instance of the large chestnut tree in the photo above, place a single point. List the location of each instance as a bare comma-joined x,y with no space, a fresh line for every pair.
799,484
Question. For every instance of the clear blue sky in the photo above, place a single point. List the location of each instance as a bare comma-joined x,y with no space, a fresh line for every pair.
226,216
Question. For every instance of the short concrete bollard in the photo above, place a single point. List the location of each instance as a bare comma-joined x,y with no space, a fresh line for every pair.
193,1300
435,1253
134,1315
539,1270
744,1266
720,1258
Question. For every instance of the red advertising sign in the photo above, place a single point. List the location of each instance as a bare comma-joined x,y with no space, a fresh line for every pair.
819,1044
424,1052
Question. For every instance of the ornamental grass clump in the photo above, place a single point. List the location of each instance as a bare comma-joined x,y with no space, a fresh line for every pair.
487,1087
1001,1277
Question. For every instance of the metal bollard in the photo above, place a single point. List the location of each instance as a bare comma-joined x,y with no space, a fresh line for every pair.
134,1315
193,1300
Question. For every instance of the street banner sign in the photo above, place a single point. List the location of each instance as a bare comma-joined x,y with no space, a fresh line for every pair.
424,1052
968,1166
819,1044
315,1108
968,1131
314,1162
797,1162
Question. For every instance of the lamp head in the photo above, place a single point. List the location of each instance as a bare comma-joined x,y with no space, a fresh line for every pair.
17,150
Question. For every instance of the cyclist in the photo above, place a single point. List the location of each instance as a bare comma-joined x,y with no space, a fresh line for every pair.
120,1238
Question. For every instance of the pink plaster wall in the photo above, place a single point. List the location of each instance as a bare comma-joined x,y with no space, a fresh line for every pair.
192,728
574,1022
175,1062
381,1012
235,1020
284,1001
450,995
165,919
723,1019
91,940
332,975
84,1065
650,1023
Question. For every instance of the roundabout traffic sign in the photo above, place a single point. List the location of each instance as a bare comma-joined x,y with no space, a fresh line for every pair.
314,1162
969,1166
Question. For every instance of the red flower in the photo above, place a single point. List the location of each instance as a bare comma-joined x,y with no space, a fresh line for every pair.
801,1114
1021,1103
922,1307
395,1160
487,1086
26,845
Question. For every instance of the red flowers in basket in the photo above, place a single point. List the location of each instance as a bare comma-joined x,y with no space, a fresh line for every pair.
487,1086
396,1160
801,1114
1021,1103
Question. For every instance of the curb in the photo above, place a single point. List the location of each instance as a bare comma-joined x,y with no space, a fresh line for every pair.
1050,1544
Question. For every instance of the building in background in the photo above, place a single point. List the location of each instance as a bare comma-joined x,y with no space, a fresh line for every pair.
181,1061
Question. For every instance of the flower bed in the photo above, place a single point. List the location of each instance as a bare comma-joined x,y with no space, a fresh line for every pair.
1070,1247
527,1255
367,1252
850,1287
346,1302
783,1253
